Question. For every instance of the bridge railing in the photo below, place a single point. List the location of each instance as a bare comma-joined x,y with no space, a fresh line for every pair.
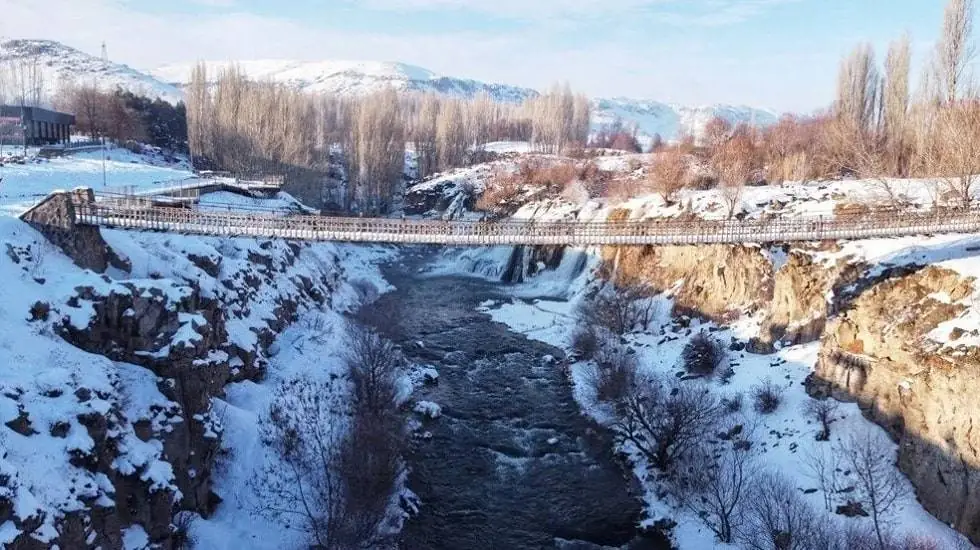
141,213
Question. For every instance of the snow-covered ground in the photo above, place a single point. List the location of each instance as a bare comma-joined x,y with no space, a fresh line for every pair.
24,184
282,203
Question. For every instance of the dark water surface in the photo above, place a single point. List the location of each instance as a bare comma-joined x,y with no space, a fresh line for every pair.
511,463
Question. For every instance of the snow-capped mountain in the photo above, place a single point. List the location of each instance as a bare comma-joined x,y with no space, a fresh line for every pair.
669,121
352,78
60,64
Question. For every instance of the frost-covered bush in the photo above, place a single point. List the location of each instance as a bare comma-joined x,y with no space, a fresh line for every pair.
703,354
766,397
732,403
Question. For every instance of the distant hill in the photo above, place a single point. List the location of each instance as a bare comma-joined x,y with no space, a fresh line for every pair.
671,121
352,78
60,63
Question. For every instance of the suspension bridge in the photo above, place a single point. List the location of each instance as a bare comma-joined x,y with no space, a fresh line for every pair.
82,207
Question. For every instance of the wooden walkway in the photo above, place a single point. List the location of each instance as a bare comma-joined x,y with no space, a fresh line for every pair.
140,214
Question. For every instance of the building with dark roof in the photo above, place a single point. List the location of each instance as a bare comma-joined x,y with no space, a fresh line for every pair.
38,126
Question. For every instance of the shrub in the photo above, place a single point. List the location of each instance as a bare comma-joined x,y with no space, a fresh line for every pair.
667,422
733,403
585,342
615,374
703,354
619,309
766,397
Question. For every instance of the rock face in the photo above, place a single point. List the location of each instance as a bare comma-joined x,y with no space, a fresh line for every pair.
874,353
709,281
804,293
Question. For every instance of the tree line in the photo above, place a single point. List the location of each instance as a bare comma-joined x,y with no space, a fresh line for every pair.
878,127
253,128
124,117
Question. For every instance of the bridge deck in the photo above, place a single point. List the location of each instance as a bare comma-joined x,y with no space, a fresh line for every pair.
135,214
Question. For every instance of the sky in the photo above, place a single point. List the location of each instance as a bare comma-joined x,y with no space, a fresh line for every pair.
776,54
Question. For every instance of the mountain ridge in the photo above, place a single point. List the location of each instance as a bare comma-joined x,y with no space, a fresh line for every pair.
648,118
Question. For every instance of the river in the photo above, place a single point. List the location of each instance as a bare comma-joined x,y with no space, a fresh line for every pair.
511,463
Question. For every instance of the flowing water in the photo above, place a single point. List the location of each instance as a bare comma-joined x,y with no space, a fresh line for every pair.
511,463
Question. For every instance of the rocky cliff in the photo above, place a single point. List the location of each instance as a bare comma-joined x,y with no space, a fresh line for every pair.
876,352
166,329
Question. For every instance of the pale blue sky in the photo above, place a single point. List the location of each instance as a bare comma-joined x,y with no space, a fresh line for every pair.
780,54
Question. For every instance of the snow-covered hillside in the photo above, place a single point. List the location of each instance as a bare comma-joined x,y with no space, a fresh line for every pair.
669,121
352,78
61,64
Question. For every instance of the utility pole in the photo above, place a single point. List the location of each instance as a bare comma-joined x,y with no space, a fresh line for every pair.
104,178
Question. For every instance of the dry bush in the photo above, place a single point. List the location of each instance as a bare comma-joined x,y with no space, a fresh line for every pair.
954,154
585,342
668,174
667,422
617,140
766,397
703,354
502,188
619,308
615,373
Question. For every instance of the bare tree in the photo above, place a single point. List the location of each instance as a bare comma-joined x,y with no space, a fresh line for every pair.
733,164
777,518
824,412
880,485
667,423
375,366
668,174
955,50
716,485
858,86
896,105
334,486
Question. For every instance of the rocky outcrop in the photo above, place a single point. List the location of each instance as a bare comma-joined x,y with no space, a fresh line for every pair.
714,281
875,352
804,293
